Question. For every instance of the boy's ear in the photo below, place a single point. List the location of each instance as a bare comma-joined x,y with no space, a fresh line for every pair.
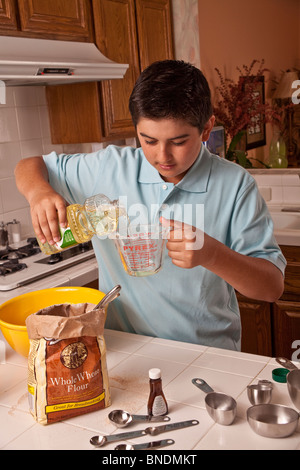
207,128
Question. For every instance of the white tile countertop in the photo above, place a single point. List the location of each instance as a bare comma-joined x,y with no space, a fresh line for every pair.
129,357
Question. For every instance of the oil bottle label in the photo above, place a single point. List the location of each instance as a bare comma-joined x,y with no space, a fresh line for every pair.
67,239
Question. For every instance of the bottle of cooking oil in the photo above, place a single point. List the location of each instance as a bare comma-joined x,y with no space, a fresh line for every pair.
97,216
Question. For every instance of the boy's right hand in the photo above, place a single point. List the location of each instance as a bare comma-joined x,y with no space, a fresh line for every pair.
48,211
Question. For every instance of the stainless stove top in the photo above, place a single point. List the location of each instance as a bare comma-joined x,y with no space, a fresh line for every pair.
24,263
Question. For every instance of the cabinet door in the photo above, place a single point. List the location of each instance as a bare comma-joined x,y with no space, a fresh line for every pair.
57,19
256,326
154,25
115,31
286,328
8,17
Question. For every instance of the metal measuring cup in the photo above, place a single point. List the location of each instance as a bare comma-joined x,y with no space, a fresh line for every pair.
220,407
293,380
260,393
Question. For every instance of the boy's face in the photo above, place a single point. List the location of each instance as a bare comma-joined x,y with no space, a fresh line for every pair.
171,146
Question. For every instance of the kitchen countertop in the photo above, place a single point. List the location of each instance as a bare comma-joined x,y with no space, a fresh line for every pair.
129,357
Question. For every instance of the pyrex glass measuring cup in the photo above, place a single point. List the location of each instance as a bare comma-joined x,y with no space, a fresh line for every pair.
141,249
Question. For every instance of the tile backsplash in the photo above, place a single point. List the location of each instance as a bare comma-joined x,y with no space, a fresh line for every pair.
24,132
279,187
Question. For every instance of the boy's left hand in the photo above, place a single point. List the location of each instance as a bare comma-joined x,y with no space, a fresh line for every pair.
185,244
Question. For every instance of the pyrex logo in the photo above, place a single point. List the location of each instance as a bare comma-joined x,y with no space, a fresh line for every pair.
2,92
296,94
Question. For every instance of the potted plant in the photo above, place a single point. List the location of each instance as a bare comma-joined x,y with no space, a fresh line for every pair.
236,107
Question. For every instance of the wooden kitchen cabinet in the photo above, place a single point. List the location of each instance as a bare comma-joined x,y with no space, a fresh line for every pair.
154,25
92,284
256,326
8,17
55,19
273,329
286,328
116,37
286,312
135,32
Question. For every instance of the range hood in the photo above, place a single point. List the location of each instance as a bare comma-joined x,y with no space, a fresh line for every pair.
26,61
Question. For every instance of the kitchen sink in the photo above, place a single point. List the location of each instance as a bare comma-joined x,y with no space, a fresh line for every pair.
286,227
286,220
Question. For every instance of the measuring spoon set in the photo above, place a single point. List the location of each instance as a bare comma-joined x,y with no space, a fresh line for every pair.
99,441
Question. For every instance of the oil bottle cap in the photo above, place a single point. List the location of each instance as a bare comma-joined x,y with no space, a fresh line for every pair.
154,374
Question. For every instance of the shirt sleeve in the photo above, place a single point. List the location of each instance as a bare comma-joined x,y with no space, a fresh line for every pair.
75,177
252,227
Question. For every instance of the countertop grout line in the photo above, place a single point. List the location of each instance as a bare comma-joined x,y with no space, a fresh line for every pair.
19,435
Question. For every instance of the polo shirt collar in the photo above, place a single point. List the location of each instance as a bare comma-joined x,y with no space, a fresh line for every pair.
196,179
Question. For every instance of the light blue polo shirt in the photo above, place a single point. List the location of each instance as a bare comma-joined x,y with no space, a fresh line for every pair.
191,305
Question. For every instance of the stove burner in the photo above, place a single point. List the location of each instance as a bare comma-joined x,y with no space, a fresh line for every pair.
19,253
55,258
11,266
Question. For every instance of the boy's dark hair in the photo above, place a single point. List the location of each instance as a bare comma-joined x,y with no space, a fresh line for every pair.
171,89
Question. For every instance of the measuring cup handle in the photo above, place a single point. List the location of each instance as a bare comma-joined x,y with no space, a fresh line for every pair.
283,361
200,383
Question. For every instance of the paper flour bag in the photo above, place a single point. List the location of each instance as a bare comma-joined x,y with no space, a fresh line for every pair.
67,371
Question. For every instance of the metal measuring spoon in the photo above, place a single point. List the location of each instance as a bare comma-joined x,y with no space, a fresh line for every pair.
146,445
122,418
99,441
109,297
154,430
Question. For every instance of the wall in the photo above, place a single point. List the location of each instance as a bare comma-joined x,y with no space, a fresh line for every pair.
234,32
186,30
24,132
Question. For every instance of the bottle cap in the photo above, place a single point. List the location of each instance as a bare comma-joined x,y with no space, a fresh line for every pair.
154,374
279,375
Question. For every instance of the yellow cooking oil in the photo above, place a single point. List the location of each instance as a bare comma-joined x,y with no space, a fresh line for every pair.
97,216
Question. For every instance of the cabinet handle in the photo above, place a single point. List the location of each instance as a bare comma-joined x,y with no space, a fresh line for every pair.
293,314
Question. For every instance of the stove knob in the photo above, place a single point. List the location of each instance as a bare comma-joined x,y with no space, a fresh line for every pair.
32,241
84,247
55,258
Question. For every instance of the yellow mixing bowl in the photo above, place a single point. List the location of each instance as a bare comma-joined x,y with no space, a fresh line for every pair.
14,312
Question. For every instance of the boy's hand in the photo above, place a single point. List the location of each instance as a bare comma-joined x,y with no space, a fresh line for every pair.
185,244
48,211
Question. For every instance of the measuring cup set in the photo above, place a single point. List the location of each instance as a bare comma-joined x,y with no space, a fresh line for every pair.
266,419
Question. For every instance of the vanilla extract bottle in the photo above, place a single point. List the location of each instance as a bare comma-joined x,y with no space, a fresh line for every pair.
157,403
97,216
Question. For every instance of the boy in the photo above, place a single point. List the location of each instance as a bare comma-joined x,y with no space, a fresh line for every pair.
172,176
